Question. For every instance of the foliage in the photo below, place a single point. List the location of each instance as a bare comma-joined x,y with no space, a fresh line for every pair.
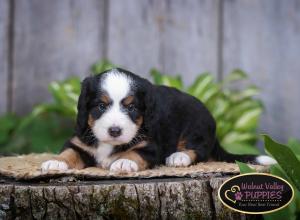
244,168
49,124
287,157
236,112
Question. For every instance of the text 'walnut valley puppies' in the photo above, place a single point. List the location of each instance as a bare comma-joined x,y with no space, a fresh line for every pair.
125,123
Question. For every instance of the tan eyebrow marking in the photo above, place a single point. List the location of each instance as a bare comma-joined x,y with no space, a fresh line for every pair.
105,99
128,100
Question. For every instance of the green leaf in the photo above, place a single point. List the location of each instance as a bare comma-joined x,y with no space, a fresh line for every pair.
288,212
241,148
156,76
102,66
166,80
208,93
224,127
244,168
65,94
202,82
246,93
220,106
236,137
248,120
285,158
239,108
294,144
235,75
7,123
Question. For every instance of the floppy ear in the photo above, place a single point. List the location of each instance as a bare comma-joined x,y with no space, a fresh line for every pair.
82,107
151,108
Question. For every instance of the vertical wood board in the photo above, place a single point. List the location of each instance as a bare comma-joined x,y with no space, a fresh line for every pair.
263,38
190,38
53,40
4,55
134,34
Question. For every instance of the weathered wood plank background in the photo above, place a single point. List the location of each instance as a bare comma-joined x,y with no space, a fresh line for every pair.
4,54
42,41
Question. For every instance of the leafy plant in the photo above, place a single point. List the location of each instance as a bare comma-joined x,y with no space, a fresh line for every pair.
287,168
286,158
236,112
244,168
50,124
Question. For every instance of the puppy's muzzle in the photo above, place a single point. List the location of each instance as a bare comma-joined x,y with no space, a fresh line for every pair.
115,131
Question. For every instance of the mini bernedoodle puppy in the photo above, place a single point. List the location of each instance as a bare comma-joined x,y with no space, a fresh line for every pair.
126,124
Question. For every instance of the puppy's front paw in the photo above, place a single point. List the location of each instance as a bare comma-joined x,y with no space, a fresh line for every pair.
178,159
124,165
54,165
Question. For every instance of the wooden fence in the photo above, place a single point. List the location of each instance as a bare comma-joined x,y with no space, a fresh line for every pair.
43,40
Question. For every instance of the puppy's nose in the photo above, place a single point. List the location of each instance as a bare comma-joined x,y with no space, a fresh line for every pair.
115,131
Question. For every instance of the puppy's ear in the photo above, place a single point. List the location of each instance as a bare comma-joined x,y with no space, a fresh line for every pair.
151,108
82,107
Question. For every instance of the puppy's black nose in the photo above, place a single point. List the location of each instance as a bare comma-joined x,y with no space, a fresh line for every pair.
115,131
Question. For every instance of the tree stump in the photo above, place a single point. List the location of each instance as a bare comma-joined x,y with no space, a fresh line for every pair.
172,198
76,195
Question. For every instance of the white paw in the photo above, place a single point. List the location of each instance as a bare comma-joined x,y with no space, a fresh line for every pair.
265,160
178,159
54,165
124,165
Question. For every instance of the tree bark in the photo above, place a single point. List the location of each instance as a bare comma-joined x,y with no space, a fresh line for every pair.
172,198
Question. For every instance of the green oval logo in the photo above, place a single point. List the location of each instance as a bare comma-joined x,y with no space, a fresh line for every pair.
256,193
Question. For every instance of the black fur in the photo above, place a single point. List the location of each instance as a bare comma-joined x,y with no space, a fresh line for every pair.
168,117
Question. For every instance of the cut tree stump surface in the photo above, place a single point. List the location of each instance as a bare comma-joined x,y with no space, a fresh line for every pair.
93,193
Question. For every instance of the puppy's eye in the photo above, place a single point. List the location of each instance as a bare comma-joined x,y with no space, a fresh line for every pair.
102,107
131,107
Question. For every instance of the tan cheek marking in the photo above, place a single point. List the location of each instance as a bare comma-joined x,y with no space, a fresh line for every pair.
91,121
128,100
139,121
72,158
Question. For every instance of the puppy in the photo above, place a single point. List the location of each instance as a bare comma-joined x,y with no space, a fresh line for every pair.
126,124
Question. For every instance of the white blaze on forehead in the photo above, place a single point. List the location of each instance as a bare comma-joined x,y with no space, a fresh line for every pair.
117,85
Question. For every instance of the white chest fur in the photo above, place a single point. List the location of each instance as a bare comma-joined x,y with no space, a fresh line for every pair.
102,154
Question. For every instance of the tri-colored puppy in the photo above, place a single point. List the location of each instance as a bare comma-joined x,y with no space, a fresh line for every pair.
125,123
